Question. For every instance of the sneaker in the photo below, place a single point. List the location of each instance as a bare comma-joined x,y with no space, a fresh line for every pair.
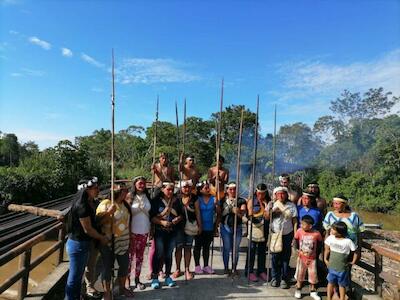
155,284
253,277
263,276
208,270
314,295
94,294
274,283
198,270
284,284
297,294
170,282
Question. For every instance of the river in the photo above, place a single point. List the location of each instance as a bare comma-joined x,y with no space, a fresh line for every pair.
389,222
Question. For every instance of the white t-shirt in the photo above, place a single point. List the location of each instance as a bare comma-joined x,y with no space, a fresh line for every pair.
342,246
284,221
140,214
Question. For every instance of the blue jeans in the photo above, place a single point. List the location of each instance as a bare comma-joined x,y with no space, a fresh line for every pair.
227,241
280,261
78,252
165,244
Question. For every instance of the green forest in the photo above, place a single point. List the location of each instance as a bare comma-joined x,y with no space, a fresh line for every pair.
354,150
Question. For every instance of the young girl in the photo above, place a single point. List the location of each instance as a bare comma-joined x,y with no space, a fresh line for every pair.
337,251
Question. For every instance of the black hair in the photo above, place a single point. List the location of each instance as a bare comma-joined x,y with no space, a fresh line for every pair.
308,219
221,159
340,228
285,175
263,187
133,189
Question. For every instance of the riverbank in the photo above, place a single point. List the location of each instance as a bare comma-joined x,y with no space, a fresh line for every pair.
389,221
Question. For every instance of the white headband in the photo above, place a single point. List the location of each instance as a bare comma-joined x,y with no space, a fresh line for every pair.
89,183
281,189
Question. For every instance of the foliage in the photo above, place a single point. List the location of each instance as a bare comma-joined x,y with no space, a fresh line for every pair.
355,151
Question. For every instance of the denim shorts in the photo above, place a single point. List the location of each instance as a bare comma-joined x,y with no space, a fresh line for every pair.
183,240
340,278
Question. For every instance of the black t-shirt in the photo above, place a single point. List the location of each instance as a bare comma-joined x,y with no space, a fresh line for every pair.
228,218
81,209
158,206
190,208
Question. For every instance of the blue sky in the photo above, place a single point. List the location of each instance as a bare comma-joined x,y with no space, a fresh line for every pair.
55,59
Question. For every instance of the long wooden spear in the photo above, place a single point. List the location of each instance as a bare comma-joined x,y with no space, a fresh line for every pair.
251,188
218,153
112,173
274,151
237,193
184,128
154,148
177,144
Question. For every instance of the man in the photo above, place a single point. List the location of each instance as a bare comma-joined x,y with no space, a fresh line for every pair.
223,177
189,170
321,202
162,171
284,181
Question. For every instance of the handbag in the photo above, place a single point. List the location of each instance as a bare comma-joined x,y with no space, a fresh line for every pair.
257,232
191,228
275,243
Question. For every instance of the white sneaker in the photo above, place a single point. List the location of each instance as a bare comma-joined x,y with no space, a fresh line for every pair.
297,294
315,296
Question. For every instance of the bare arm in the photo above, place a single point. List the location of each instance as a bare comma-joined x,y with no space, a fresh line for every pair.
326,255
90,231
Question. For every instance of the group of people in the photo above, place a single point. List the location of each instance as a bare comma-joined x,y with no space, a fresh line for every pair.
174,216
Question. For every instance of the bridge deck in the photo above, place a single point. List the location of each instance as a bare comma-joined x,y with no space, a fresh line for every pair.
217,286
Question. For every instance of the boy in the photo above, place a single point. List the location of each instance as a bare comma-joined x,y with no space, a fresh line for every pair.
337,250
308,240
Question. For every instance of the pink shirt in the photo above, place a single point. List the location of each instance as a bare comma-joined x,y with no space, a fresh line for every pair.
308,241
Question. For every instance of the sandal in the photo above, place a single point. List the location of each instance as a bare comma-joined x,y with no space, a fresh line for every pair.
140,286
126,292
177,274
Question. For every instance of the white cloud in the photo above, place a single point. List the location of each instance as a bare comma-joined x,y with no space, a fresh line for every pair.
41,43
153,70
31,72
15,74
66,52
9,2
91,60
43,138
13,32
319,77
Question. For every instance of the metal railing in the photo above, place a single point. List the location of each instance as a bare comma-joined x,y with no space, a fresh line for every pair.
26,264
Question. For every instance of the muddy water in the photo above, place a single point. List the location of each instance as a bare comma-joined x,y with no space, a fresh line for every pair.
389,222
36,275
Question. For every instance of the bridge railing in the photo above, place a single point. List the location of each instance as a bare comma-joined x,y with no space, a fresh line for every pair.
26,264
376,268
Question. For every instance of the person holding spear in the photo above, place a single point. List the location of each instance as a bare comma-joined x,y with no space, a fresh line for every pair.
115,220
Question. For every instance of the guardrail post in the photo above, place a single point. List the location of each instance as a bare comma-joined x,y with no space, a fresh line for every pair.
24,263
378,270
61,237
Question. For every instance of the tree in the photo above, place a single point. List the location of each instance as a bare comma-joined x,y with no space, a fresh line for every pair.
9,150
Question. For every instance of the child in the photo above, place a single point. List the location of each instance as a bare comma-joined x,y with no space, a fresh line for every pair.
307,241
337,250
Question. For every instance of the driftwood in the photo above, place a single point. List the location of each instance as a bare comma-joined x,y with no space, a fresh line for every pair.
38,211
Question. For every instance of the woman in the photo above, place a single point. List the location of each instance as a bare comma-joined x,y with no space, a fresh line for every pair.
284,224
229,211
115,219
139,199
167,215
81,222
260,227
184,241
342,212
203,241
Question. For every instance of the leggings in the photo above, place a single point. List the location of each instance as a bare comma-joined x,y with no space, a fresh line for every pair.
165,244
204,241
136,251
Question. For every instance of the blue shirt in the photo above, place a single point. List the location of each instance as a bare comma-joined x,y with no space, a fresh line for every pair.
207,213
314,213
